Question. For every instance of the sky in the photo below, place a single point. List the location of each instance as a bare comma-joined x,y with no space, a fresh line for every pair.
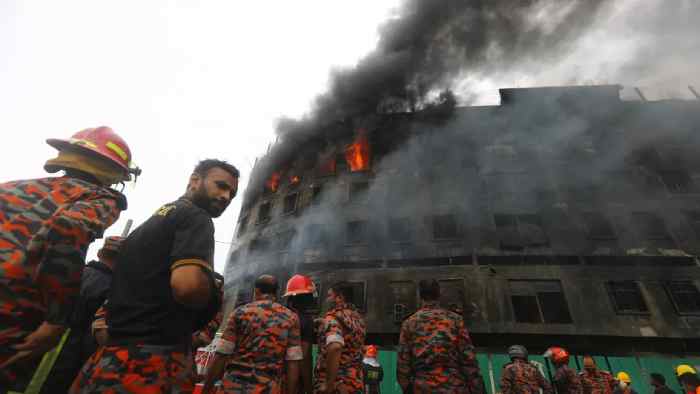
180,81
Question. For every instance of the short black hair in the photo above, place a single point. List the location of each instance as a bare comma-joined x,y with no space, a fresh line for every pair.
267,284
658,377
343,289
205,165
429,289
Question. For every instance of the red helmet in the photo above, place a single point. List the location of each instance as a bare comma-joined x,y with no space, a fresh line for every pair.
558,355
300,284
100,141
371,351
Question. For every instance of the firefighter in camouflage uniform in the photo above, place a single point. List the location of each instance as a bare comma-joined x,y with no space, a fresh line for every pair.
47,225
594,380
565,379
435,352
341,338
522,377
260,344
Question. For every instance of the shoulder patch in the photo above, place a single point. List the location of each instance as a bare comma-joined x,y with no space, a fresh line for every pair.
165,210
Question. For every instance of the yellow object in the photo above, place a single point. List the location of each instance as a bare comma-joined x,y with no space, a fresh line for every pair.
104,172
683,369
624,377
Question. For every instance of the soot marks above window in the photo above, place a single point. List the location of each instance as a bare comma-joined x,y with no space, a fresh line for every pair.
539,302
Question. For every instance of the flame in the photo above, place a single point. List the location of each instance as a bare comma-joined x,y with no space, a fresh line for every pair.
294,179
273,183
357,154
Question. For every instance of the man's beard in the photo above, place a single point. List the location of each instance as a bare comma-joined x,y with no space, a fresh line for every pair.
202,200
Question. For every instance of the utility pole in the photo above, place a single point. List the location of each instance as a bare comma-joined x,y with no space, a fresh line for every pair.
694,92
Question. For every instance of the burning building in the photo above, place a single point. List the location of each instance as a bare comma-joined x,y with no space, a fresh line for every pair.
562,216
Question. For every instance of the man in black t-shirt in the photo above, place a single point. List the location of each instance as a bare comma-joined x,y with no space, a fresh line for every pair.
163,290
301,294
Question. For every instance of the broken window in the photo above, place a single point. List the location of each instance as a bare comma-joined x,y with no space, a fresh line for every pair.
649,226
242,225
598,227
290,203
264,212
517,232
539,302
685,297
400,229
402,300
445,226
358,191
316,194
356,232
627,297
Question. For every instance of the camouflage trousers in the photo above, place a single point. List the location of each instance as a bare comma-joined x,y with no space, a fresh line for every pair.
137,369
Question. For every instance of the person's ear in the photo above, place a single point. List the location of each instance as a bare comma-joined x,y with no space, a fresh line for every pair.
195,181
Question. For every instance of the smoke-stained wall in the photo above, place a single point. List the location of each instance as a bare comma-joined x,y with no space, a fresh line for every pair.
555,191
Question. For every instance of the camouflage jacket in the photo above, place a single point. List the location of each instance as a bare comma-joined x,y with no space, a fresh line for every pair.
436,354
47,225
566,381
343,324
597,382
259,337
521,377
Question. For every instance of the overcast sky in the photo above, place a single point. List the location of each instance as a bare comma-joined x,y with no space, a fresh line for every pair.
180,81
186,80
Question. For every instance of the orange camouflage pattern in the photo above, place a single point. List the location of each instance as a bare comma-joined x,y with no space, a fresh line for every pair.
436,354
259,337
522,377
136,369
47,225
342,324
566,381
596,382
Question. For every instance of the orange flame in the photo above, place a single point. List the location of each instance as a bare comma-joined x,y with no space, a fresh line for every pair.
294,179
357,154
274,182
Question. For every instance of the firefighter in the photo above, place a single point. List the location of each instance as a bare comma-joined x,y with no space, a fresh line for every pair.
80,344
301,298
624,384
565,379
48,224
688,379
341,337
522,377
594,380
260,342
374,373
163,290
658,382
435,352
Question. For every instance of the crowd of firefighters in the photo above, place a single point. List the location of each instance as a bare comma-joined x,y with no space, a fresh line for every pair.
129,322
